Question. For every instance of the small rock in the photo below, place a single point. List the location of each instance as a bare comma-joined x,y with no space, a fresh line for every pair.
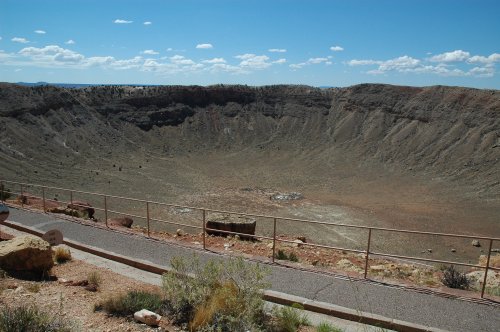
270,245
180,232
429,251
302,238
297,243
453,250
147,317
91,288
476,243
236,237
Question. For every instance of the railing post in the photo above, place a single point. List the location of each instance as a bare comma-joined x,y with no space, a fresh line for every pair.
147,215
106,210
2,188
487,267
274,240
43,199
71,197
368,250
204,230
22,198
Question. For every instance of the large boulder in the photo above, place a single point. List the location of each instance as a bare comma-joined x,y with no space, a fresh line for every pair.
230,223
121,222
26,254
85,208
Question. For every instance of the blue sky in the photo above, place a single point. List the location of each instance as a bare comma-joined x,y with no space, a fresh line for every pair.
254,42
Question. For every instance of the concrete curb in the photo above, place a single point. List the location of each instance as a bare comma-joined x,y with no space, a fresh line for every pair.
269,295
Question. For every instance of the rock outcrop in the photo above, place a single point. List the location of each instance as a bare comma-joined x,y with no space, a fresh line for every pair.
27,253
121,222
230,223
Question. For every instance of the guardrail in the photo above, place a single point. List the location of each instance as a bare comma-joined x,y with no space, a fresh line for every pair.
367,252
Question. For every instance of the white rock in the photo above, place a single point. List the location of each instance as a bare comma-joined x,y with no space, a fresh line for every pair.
147,317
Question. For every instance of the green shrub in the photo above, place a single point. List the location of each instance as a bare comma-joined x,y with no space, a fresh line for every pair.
455,279
127,304
216,296
327,327
30,319
289,319
282,255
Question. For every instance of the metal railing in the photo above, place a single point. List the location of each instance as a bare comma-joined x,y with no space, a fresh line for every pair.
367,252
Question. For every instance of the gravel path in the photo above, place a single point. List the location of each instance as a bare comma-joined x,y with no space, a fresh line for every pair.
395,303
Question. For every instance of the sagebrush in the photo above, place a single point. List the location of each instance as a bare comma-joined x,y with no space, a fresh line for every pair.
31,319
455,279
128,303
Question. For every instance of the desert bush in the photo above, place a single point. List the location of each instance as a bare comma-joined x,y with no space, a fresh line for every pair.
94,278
30,319
217,296
61,255
33,287
4,192
327,327
455,279
289,319
282,255
128,303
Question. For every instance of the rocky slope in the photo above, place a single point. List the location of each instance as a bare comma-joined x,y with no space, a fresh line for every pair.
449,132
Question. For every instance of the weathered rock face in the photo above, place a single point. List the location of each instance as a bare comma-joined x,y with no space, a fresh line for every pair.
147,317
121,222
26,254
230,223
84,207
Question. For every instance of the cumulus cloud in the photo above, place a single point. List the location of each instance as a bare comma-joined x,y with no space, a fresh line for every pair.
310,61
147,23
277,50
215,60
20,40
280,61
336,48
40,32
253,61
492,58
150,52
70,42
454,56
204,46
120,21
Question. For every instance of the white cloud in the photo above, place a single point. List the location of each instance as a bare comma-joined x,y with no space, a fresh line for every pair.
215,60
40,32
147,23
454,56
310,61
492,58
252,61
355,62
20,40
316,60
204,46
70,42
482,71
336,48
120,21
399,63
0,38
277,50
150,52
51,54
280,61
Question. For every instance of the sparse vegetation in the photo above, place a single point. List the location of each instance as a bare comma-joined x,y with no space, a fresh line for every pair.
128,303
455,279
33,287
61,255
290,319
218,297
94,279
327,327
282,255
30,319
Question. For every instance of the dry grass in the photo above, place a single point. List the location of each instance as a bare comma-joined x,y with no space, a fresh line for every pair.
94,278
61,255
494,260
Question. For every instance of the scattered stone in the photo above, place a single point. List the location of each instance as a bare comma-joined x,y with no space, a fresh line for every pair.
147,317
91,288
84,207
297,243
26,254
302,238
121,222
429,251
453,250
230,223
180,232
476,243
237,237
287,196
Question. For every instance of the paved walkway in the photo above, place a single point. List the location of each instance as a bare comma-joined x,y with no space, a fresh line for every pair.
433,311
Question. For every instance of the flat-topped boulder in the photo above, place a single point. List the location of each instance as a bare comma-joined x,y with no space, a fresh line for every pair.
26,254
230,223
